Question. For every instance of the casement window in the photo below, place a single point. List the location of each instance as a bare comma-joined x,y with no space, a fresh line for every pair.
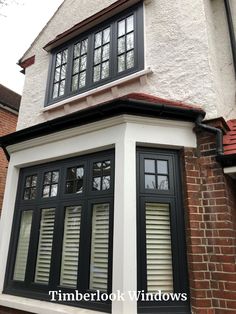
62,234
162,267
107,52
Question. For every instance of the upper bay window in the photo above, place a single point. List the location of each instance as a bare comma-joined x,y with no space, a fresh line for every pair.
110,51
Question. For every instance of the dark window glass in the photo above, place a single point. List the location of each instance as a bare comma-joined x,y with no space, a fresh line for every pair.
74,180
30,187
110,51
101,175
156,174
50,184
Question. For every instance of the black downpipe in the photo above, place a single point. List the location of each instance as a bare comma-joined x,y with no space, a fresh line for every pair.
218,132
231,31
5,152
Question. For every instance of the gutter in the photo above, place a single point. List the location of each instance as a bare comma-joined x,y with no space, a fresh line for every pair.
231,31
218,132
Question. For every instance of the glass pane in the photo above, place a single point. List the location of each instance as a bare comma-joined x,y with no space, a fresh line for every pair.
162,166
28,181
97,56
121,63
82,79
130,23
34,181
121,45
55,90
63,72
33,193
71,174
62,88
106,35
97,184
58,59
149,165
84,46
130,59
70,250
76,66
99,248
98,39
54,189
150,181
27,194
43,264
79,172
83,63
74,83
47,177
130,41
64,56
105,52
96,75
97,168
23,245
46,191
106,183
79,186
55,176
106,165
105,70
121,28
158,248
162,182
77,50
57,74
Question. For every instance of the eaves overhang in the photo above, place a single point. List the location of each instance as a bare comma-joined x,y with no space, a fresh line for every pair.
103,111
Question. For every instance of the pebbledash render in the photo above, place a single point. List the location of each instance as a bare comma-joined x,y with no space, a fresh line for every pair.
121,177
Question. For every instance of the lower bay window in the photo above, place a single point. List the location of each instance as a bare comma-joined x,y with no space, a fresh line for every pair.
62,235
162,267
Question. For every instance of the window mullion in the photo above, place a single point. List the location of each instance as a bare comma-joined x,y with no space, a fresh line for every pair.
69,71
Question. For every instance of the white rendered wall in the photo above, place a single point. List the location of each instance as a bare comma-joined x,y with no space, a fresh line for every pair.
124,134
178,49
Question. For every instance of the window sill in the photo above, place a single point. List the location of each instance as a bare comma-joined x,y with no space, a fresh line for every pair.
112,86
40,307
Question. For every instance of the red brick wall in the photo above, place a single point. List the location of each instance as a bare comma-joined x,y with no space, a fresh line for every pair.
8,122
210,204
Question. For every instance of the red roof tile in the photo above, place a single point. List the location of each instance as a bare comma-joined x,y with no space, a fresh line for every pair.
157,100
230,138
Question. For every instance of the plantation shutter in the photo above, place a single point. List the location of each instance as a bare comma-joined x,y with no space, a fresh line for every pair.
158,248
99,247
70,252
45,246
23,245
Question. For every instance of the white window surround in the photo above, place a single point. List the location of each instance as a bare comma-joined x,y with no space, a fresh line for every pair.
112,86
231,171
124,133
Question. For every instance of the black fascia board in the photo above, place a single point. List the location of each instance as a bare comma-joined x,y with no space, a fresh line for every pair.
227,160
101,112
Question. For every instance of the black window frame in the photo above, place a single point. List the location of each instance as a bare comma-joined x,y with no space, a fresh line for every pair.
87,198
137,10
173,197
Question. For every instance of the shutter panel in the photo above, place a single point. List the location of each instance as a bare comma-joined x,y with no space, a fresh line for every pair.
158,248
23,245
70,252
99,247
45,246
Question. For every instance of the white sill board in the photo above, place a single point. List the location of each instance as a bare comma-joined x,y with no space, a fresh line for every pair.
40,307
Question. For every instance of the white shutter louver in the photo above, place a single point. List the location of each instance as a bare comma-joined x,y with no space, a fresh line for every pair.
23,245
158,246
45,246
70,252
99,247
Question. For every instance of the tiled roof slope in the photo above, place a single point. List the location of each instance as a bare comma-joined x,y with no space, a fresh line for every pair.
230,138
9,98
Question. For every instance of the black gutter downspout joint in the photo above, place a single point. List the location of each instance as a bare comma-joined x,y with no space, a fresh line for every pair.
218,132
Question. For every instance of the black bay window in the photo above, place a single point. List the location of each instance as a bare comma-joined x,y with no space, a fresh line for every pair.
162,266
62,235
107,52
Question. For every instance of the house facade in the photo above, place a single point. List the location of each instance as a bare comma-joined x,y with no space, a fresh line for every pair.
9,108
120,193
